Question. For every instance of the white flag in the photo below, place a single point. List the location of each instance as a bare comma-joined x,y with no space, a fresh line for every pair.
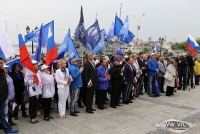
6,49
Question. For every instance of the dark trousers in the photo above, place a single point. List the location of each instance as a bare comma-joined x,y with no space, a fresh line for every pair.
183,79
46,106
169,91
18,100
115,94
89,97
145,83
33,105
101,95
80,96
197,79
161,81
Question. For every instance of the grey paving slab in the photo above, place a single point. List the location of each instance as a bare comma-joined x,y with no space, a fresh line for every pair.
140,117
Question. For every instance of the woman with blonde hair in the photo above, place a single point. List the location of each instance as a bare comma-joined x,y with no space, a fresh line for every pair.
171,84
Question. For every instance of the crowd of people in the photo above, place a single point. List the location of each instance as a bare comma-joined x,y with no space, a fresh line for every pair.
122,77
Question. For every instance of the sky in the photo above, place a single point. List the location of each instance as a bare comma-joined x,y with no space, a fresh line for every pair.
171,18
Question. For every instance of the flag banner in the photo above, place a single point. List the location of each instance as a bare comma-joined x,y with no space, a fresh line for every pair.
111,32
119,51
51,53
70,79
63,48
154,50
192,45
41,44
124,31
6,49
90,83
80,34
134,80
100,45
32,36
25,59
93,35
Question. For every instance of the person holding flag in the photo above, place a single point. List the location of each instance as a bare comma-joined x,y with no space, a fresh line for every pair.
63,83
102,86
75,84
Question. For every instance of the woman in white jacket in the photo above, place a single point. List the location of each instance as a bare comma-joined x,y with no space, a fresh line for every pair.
48,91
61,76
34,92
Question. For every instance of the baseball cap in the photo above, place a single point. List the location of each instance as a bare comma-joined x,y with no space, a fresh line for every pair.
116,59
34,61
153,54
126,56
5,66
173,56
44,66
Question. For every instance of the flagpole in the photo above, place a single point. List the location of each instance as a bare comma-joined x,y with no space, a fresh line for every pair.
96,17
120,11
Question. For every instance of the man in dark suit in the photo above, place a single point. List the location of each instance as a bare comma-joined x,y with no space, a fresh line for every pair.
117,82
142,65
90,74
128,74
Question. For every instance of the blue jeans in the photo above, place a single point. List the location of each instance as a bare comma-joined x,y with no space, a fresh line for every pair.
74,98
3,115
127,92
150,84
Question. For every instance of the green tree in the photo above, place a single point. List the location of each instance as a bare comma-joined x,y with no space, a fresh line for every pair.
145,50
129,52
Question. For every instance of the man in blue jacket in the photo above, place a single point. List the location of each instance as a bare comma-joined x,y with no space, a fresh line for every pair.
75,85
151,72
102,86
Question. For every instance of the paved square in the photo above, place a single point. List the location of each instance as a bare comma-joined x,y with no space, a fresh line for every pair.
140,117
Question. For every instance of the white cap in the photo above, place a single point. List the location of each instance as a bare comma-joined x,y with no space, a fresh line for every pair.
34,61
5,66
126,56
153,54
44,66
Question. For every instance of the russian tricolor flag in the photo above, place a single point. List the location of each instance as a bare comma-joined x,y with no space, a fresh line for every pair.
52,53
192,45
70,79
90,83
25,59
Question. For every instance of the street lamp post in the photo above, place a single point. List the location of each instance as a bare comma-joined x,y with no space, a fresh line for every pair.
28,31
161,40
138,27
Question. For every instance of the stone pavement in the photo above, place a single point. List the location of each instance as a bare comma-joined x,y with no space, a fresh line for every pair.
140,117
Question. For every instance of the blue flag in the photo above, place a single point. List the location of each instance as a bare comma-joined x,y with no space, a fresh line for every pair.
119,51
40,45
93,35
111,32
124,31
80,30
32,36
154,50
63,48
72,52
117,29
100,45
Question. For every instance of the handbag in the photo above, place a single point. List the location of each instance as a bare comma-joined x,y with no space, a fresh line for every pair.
168,76
177,82
26,93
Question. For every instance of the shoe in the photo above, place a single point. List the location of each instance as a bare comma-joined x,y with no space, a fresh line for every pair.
33,122
137,95
133,98
50,117
12,123
163,92
36,120
46,119
130,101
113,106
38,113
168,95
77,112
141,94
93,109
11,131
100,107
106,99
119,105
25,116
126,102
80,106
104,107
89,111
16,118
73,114
62,117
